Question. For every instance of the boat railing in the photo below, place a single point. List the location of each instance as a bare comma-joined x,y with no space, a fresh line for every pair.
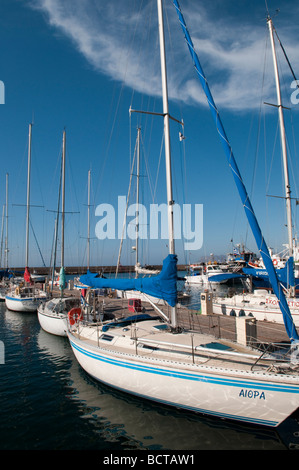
274,356
280,355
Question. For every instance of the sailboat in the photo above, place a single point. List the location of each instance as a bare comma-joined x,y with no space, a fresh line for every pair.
26,297
204,274
53,314
262,304
155,360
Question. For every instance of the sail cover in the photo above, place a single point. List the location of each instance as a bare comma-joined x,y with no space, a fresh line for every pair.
285,275
163,286
62,279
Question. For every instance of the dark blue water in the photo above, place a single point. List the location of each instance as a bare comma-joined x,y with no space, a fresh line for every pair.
49,402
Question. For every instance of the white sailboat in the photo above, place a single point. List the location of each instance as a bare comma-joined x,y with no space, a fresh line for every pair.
192,371
261,303
203,275
53,314
26,297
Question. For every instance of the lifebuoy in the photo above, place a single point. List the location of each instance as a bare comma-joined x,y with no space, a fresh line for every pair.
75,315
275,262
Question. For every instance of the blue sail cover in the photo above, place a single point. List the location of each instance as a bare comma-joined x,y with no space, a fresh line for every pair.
261,244
163,286
285,275
5,273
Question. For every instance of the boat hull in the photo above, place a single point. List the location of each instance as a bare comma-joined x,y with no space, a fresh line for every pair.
53,315
23,305
53,324
241,397
202,280
261,308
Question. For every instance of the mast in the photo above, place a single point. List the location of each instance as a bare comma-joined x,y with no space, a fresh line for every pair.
62,272
3,215
284,150
137,200
170,201
88,223
28,195
63,199
6,220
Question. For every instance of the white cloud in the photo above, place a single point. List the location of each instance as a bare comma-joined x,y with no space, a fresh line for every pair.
122,43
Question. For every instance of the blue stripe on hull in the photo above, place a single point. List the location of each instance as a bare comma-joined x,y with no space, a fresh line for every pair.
195,377
190,376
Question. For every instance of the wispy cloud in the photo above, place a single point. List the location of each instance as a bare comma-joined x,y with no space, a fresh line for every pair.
121,43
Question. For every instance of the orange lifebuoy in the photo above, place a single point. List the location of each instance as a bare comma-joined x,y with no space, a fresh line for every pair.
75,315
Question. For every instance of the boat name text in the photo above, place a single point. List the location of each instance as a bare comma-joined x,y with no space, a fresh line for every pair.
252,394
291,303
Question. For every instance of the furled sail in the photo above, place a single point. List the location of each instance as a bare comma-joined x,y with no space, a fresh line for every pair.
261,244
163,286
62,279
27,276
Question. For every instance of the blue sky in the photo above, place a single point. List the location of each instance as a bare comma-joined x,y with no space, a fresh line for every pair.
80,65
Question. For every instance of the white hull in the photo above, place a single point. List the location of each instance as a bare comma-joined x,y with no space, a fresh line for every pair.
38,278
53,324
226,392
54,320
23,305
201,279
204,275
262,307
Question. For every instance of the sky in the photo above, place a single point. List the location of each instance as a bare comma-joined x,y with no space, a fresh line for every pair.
79,65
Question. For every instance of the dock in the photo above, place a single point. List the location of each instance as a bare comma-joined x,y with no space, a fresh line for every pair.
220,326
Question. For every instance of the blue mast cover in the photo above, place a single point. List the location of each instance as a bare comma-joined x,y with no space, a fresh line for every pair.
162,286
261,244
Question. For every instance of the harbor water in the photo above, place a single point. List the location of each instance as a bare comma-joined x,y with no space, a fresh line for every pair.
49,403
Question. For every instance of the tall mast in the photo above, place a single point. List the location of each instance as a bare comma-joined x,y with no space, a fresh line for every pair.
6,231
28,194
63,199
170,201
137,201
283,148
2,225
88,223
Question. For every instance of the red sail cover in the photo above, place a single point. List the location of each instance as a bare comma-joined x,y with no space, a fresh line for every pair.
27,276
